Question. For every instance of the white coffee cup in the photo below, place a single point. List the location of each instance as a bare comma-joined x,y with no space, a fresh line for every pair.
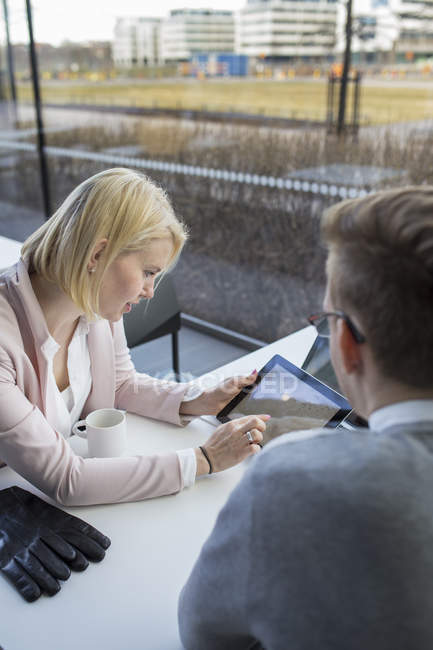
105,430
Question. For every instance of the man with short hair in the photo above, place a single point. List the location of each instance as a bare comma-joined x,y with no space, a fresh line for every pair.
327,541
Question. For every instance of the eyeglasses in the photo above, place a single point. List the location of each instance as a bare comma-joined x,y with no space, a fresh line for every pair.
321,323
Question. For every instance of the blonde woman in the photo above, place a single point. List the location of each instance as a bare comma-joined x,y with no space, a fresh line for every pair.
63,351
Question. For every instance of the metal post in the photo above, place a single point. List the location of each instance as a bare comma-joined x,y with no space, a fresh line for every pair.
330,103
357,83
175,353
346,69
2,85
10,55
39,123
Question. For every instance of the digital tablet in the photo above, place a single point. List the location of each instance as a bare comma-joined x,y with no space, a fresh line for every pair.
295,399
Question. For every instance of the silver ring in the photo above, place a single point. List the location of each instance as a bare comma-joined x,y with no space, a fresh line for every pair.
249,436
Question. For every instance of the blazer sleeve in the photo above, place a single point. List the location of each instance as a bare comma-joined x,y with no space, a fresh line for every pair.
30,446
139,393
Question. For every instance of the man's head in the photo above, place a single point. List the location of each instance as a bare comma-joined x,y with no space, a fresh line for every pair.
380,273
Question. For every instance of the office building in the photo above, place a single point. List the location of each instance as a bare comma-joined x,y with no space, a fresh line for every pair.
187,32
135,41
394,31
286,30
415,38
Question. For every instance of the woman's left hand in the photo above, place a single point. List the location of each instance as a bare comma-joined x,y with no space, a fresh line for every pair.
212,401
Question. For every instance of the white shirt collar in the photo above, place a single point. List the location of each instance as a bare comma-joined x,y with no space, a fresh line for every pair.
420,410
50,346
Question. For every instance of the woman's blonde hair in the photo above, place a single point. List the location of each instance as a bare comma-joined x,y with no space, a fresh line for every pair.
121,205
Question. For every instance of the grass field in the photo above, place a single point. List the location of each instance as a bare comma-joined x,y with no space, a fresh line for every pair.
291,99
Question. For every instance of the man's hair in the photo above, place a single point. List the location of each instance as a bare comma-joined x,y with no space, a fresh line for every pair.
380,267
122,205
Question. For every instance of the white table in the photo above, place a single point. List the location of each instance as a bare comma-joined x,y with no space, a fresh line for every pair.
130,600
9,252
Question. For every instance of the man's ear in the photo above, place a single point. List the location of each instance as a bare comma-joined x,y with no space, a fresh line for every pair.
350,353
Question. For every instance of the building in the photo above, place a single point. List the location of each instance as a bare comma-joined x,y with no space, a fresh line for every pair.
415,38
375,33
188,32
387,31
397,31
287,30
135,41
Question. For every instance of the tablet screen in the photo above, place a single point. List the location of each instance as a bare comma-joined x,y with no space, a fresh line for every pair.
296,400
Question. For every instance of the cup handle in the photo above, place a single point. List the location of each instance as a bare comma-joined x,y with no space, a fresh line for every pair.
79,429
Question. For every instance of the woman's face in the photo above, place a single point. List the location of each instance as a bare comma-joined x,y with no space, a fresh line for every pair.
131,277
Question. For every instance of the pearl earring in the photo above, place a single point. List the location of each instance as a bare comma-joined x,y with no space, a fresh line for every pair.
92,270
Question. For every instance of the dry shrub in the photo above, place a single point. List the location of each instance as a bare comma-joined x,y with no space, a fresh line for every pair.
254,262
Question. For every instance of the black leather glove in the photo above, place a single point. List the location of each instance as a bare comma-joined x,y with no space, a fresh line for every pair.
27,557
40,543
87,540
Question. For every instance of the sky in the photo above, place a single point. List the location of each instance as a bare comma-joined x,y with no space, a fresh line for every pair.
79,20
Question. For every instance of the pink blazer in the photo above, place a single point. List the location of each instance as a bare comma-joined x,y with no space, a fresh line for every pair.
29,442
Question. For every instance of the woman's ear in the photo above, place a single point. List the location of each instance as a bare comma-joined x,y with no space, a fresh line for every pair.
350,353
98,249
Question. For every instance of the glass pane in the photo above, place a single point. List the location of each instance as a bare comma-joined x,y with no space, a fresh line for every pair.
237,125
21,207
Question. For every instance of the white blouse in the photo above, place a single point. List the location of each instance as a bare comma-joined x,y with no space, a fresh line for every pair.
68,404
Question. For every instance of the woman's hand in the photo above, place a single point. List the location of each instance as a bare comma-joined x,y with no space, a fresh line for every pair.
212,401
230,443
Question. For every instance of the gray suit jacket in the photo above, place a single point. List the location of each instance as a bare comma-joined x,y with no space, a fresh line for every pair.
327,544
